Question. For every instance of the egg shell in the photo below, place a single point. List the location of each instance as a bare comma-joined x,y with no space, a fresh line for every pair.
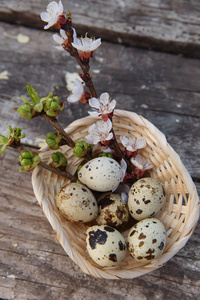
145,198
147,240
112,210
101,174
77,203
105,245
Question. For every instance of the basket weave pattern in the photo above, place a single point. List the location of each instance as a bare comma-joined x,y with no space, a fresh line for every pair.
179,214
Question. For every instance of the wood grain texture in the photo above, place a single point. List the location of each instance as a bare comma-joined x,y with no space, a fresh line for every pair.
162,87
170,26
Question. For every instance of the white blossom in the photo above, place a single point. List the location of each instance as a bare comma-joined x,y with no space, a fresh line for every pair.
132,144
123,190
60,39
85,45
107,149
102,106
54,10
77,92
123,165
141,163
99,132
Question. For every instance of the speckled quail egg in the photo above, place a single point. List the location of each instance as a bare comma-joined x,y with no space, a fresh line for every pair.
101,174
105,245
77,203
145,198
112,210
147,239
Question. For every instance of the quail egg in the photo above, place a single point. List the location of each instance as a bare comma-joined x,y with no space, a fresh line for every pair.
147,239
145,198
105,245
101,174
112,210
77,203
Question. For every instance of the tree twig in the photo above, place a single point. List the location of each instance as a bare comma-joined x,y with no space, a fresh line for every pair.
54,122
58,172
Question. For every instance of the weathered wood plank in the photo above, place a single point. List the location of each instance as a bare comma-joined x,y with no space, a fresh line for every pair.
33,265
163,88
170,26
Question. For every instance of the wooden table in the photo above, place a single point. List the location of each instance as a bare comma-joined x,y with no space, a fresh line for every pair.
149,62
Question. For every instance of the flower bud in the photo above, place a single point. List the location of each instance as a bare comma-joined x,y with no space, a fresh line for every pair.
26,154
28,160
18,134
26,111
81,148
53,140
59,160
53,107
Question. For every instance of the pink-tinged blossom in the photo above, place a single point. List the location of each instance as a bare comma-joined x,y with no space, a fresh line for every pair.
52,15
102,106
78,93
61,39
123,165
123,190
99,132
85,45
141,165
132,144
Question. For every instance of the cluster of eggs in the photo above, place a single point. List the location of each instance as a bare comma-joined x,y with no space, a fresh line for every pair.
105,244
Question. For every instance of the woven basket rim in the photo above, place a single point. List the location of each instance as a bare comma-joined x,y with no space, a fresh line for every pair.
113,273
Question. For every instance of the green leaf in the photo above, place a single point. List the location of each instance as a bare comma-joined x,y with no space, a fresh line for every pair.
33,94
24,169
52,113
24,100
2,149
3,140
38,107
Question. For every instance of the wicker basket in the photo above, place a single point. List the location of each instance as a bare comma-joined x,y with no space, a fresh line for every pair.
179,214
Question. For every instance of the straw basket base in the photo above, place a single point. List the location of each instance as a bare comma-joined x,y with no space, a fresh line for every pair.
179,214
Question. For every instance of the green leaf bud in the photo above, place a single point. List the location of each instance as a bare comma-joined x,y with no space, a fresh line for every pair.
26,111
26,154
18,134
81,148
38,107
59,160
53,140
28,160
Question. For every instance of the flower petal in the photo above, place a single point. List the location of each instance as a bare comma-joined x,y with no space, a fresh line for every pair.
45,16
124,140
140,143
104,98
60,8
95,44
63,34
109,137
58,39
94,102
